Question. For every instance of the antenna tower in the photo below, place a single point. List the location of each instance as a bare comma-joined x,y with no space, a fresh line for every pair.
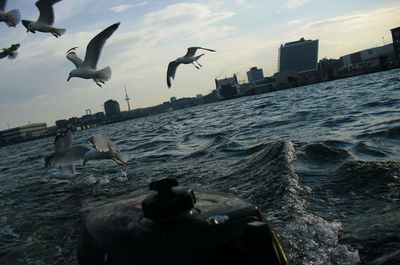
127,99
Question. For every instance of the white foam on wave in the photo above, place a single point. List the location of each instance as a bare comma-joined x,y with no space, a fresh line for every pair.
308,239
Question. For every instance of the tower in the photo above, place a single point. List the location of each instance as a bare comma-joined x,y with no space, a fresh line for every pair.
127,99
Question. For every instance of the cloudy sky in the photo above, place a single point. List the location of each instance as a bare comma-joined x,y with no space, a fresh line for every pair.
245,33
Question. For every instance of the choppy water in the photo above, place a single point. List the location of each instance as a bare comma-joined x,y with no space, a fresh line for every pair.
321,161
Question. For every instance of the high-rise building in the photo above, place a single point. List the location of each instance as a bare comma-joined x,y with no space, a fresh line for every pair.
300,56
111,108
255,74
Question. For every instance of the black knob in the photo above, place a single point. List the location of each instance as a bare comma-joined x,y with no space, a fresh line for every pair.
171,201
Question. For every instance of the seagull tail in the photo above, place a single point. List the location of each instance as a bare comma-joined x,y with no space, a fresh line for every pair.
12,55
13,18
104,74
59,32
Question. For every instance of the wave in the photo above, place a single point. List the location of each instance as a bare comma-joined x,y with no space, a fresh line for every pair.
267,178
390,133
321,152
378,179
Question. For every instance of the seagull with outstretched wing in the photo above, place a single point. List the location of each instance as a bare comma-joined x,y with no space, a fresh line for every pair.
11,52
66,155
11,18
87,69
45,20
189,58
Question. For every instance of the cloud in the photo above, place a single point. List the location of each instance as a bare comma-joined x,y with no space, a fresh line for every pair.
124,7
245,3
350,33
294,22
291,4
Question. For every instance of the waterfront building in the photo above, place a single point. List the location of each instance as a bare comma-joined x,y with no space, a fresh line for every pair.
255,74
111,108
22,133
300,56
200,99
396,39
227,87
62,124
367,58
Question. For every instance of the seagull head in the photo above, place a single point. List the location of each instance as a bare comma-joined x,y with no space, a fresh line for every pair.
73,73
28,25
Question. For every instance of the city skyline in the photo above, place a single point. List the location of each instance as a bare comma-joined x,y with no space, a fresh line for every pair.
152,33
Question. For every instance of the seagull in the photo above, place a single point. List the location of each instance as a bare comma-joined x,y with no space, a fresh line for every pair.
87,69
67,155
45,20
11,52
187,59
11,18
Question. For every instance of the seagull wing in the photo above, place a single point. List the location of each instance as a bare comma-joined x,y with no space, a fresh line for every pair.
191,51
46,11
172,66
70,156
2,4
3,53
103,144
74,59
63,141
95,46
211,50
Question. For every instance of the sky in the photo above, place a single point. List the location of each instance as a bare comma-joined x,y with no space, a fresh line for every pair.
245,33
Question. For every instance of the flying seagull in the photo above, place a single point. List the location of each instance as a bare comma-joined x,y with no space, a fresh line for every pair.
67,155
45,20
11,52
11,18
187,59
87,69
62,143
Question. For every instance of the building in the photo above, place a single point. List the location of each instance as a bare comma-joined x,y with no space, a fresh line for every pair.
396,40
367,59
300,56
62,124
227,87
111,108
19,134
255,74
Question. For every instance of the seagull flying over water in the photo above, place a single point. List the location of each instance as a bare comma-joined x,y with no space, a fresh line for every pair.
45,20
11,52
11,18
67,155
87,69
187,59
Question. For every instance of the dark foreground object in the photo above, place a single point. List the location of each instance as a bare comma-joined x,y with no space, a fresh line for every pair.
174,225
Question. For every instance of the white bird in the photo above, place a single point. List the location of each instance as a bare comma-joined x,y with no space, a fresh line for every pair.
11,52
187,59
11,18
87,69
67,155
45,20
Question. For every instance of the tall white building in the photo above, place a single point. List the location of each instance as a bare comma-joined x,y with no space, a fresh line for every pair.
299,56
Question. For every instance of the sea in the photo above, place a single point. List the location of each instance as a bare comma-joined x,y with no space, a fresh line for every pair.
321,161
